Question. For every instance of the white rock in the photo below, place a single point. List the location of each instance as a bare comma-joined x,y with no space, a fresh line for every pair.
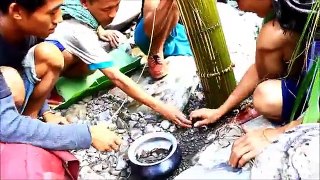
150,129
136,133
97,167
158,129
165,124
112,127
121,164
172,128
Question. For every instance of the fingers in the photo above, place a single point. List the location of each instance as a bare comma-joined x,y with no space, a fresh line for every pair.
237,154
104,38
201,123
246,157
183,121
196,114
118,141
114,41
64,121
114,146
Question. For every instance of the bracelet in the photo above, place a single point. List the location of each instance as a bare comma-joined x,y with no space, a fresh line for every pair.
264,135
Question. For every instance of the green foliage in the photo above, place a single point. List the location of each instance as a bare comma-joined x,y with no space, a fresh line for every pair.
310,85
313,114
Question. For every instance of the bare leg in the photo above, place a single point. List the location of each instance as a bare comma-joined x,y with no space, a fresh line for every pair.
167,17
15,84
49,63
267,99
74,67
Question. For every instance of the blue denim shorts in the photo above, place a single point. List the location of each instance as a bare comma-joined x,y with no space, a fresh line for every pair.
177,44
30,79
289,89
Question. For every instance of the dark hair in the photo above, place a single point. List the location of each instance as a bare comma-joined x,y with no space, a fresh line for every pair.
292,14
29,5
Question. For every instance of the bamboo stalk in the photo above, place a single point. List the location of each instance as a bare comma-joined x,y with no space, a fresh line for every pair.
209,48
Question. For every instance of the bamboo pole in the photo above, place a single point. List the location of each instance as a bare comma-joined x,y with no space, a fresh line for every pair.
209,48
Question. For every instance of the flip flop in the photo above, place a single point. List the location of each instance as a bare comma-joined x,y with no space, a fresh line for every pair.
246,115
55,99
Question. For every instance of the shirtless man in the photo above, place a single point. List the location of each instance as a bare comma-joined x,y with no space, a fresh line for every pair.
273,95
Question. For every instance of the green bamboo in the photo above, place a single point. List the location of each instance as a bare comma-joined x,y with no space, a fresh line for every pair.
209,48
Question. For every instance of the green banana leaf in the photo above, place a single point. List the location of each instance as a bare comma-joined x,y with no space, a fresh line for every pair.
73,90
312,114
305,85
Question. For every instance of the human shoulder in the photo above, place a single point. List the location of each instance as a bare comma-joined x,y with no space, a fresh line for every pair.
272,37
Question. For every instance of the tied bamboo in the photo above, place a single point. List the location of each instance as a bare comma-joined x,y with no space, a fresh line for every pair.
209,48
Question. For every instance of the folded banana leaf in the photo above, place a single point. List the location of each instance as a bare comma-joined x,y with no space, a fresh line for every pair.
73,90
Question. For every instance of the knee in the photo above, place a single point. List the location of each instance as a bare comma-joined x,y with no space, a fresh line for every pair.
49,55
267,101
15,84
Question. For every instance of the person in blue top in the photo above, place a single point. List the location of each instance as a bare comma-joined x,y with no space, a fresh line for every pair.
28,70
159,27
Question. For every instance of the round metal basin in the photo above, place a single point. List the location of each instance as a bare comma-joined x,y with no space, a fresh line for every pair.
160,169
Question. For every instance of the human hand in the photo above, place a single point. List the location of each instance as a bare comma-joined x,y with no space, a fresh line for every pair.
206,116
111,36
103,139
176,116
247,147
50,117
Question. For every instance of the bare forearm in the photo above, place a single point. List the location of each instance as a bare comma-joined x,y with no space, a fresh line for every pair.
128,86
246,86
272,134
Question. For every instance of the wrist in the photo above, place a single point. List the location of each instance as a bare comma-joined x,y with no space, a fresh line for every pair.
92,133
158,106
270,134
265,136
221,111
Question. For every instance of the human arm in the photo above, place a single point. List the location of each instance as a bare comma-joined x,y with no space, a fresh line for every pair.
246,86
89,49
133,90
111,36
268,64
252,143
15,128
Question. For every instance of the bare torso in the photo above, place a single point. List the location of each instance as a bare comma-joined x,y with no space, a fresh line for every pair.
274,51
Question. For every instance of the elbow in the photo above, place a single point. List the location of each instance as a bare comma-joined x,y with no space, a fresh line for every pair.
8,131
114,75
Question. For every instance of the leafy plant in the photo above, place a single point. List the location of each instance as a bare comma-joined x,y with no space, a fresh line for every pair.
309,91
